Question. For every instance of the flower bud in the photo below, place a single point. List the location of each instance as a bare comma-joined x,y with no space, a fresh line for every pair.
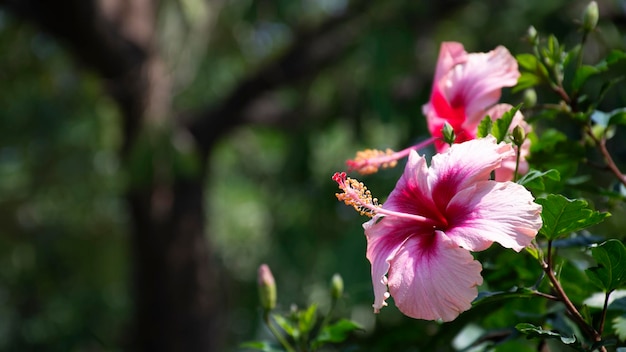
448,133
530,98
590,17
518,135
532,36
336,287
267,288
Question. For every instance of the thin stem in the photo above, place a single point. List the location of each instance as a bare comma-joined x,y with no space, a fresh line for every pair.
546,296
604,309
571,308
329,314
601,142
558,89
575,314
579,63
281,339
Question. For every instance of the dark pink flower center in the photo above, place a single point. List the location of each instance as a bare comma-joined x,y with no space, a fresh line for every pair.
452,112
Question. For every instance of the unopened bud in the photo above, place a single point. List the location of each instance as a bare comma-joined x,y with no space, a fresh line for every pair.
448,133
518,135
532,36
267,288
530,98
336,287
590,17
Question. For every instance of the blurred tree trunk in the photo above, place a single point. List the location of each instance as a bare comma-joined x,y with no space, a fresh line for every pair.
178,292
176,289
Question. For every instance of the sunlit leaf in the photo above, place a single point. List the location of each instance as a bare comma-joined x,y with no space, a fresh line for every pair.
306,319
287,326
484,127
562,216
532,64
535,72
501,126
337,332
534,179
619,326
617,117
527,61
527,80
533,251
260,346
610,273
538,332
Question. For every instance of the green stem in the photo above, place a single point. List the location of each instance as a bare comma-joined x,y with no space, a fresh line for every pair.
579,63
518,155
281,339
330,313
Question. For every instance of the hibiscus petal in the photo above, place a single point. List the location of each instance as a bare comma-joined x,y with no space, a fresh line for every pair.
477,84
412,194
433,278
450,55
383,241
464,164
490,211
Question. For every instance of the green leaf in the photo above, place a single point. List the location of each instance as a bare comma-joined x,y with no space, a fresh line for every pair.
536,72
335,333
527,61
484,127
533,65
287,326
586,314
617,117
515,292
562,216
534,179
533,251
306,319
501,126
259,345
537,331
582,74
527,80
614,56
553,52
610,273
606,86
619,326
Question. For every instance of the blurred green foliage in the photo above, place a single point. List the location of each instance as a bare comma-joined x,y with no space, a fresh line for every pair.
64,264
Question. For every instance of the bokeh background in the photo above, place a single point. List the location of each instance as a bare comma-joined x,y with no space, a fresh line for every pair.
122,120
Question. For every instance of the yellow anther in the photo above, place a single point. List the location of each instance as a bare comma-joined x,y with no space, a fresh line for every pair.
356,195
368,161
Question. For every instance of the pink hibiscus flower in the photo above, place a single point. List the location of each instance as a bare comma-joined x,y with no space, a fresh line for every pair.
465,85
419,241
